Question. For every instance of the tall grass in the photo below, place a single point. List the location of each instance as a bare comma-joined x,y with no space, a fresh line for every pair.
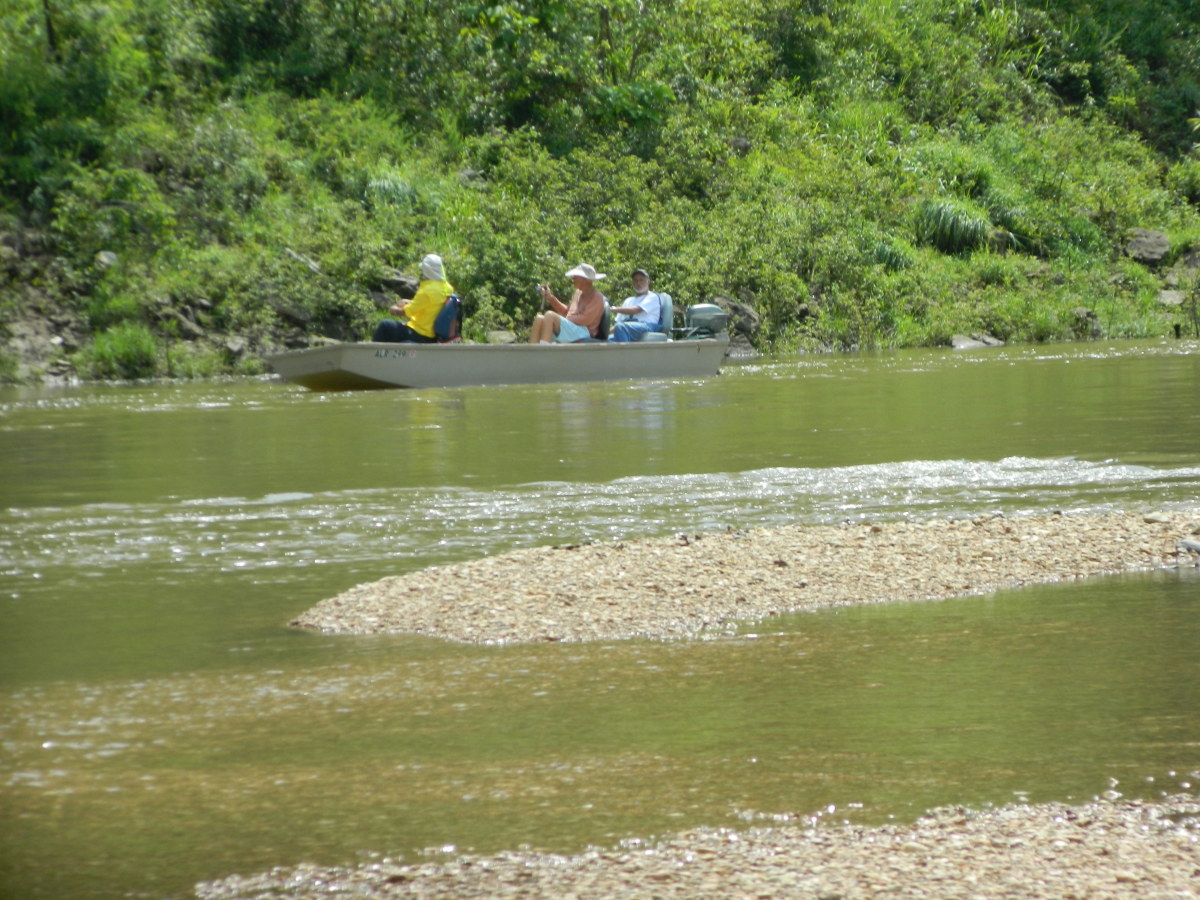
124,351
950,225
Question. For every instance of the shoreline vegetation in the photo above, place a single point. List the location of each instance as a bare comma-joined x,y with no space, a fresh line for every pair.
187,186
704,586
698,586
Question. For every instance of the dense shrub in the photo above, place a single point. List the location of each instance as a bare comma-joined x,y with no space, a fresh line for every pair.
864,172
127,350
1184,179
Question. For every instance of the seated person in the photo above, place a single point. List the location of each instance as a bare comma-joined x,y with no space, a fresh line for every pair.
574,322
421,311
638,314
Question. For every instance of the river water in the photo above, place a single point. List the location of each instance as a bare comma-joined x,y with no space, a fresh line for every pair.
161,724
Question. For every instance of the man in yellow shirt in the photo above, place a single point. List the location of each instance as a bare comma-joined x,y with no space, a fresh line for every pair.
421,311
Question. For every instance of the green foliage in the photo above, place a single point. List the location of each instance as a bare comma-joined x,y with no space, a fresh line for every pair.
124,351
894,255
863,172
110,305
951,225
105,208
1002,271
187,361
1135,59
1184,179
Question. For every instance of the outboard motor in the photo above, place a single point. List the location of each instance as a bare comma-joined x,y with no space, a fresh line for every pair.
704,320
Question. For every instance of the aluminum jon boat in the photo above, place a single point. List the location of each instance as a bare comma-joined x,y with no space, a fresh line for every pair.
368,366
695,352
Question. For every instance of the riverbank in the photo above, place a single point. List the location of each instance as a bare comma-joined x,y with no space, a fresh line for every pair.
697,586
1102,849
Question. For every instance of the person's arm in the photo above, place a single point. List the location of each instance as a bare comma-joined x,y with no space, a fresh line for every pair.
425,297
406,308
637,308
423,308
626,309
555,304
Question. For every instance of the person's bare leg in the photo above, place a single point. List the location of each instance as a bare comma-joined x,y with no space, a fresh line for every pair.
545,327
535,333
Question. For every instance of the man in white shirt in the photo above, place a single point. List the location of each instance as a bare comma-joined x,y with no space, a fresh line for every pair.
637,314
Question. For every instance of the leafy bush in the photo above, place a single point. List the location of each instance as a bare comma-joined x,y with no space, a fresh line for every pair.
998,271
190,361
864,172
127,350
107,309
1184,179
105,209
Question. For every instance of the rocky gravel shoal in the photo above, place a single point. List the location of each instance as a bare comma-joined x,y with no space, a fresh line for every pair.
691,586
1118,849
696,586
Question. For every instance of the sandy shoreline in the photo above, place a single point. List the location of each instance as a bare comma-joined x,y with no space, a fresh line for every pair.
695,586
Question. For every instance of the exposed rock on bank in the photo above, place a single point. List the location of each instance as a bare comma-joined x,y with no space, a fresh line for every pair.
692,586
1125,849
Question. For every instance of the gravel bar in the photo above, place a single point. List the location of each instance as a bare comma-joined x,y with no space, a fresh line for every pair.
702,586
1104,849
696,586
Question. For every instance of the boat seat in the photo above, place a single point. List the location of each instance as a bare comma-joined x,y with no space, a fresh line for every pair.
666,321
602,331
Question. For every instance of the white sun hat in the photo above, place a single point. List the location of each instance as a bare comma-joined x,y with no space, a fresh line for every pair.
583,270
431,268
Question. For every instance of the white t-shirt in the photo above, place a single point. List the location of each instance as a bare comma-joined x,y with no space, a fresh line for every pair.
651,305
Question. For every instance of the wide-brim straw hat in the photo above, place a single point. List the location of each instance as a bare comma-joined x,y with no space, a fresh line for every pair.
583,270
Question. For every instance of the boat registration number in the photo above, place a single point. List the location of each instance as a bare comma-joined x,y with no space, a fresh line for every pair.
393,353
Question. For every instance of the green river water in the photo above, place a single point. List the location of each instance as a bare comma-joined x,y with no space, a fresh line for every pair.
160,724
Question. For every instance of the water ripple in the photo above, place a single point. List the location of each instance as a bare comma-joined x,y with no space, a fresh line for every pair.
428,526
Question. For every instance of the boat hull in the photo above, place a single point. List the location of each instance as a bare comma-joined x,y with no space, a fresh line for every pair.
371,366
